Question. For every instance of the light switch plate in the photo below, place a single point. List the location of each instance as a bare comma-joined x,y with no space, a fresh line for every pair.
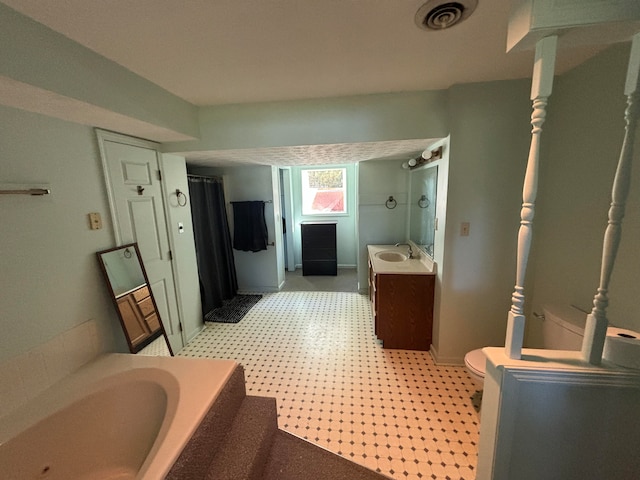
464,229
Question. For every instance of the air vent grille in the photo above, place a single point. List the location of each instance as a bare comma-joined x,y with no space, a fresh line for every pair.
439,15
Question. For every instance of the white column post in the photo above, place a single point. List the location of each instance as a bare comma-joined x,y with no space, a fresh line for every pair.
541,87
596,328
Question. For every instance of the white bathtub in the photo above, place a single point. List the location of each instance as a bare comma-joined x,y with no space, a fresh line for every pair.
120,417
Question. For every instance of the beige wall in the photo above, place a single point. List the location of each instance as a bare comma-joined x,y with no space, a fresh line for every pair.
362,118
50,279
100,91
488,151
581,145
378,225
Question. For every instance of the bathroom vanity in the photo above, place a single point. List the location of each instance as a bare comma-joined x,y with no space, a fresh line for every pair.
401,291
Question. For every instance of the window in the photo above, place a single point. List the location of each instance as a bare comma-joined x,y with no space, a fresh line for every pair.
324,192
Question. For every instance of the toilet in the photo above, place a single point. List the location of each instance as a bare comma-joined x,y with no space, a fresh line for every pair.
562,329
475,362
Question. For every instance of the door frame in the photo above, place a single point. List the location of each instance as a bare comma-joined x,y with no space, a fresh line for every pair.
106,135
286,186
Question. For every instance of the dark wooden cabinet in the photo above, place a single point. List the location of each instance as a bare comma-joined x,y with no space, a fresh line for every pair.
319,248
402,306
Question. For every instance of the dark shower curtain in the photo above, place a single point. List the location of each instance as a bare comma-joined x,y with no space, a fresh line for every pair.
214,251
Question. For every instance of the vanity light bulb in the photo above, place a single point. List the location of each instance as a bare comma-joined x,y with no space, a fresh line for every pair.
405,165
412,162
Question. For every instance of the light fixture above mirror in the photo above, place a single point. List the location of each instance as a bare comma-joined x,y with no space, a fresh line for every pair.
426,157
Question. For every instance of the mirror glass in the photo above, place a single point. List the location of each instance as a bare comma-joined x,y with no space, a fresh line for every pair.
422,208
133,299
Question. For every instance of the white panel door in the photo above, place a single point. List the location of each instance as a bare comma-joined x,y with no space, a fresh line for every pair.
135,194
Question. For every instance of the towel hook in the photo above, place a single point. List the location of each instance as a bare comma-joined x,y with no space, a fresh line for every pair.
391,203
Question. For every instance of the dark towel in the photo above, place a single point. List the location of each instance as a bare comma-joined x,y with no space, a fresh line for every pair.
249,226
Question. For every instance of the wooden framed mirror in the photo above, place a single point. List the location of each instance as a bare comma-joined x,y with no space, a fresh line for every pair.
133,299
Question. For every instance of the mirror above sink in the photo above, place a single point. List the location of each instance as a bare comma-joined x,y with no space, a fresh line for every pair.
422,208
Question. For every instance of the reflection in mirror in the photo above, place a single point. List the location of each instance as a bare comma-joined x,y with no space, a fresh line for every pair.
137,310
422,208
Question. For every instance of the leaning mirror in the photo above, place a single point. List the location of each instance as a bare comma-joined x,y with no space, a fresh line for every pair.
133,299
422,210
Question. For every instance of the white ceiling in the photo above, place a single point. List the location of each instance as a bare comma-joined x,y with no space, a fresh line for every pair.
212,52
315,154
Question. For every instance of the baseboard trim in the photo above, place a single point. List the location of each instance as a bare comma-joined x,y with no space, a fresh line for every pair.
257,290
194,333
440,360
340,265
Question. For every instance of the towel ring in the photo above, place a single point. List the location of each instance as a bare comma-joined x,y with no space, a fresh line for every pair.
423,202
391,203
180,194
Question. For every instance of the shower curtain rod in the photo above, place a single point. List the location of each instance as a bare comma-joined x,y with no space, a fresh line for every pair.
211,177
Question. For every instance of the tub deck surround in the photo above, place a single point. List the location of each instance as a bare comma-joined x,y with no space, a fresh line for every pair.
555,415
129,416
420,265
190,387
239,439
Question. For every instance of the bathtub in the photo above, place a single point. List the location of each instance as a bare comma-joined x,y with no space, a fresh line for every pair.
119,417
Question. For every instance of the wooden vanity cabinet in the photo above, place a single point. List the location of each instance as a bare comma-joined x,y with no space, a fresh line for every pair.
372,296
138,315
402,306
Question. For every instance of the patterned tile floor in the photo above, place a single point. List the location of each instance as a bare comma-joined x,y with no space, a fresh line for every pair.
393,411
157,348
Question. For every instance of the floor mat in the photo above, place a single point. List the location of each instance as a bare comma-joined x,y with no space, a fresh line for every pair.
234,310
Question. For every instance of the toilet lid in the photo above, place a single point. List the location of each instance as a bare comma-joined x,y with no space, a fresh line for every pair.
476,361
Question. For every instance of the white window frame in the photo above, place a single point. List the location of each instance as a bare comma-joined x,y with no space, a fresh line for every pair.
306,200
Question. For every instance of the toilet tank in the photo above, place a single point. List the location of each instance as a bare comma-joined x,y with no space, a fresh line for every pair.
562,327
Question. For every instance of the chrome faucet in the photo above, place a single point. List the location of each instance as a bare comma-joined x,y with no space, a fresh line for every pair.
409,251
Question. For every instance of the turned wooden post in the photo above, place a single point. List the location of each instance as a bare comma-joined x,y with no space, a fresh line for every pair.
541,86
596,327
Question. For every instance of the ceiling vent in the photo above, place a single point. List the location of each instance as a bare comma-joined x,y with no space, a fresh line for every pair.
439,14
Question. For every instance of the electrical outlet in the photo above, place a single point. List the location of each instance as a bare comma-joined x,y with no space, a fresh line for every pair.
95,221
464,229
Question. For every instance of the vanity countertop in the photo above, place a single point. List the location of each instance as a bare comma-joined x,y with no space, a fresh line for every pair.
421,264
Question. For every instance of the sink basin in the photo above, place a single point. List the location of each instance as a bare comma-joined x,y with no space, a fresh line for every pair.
392,256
